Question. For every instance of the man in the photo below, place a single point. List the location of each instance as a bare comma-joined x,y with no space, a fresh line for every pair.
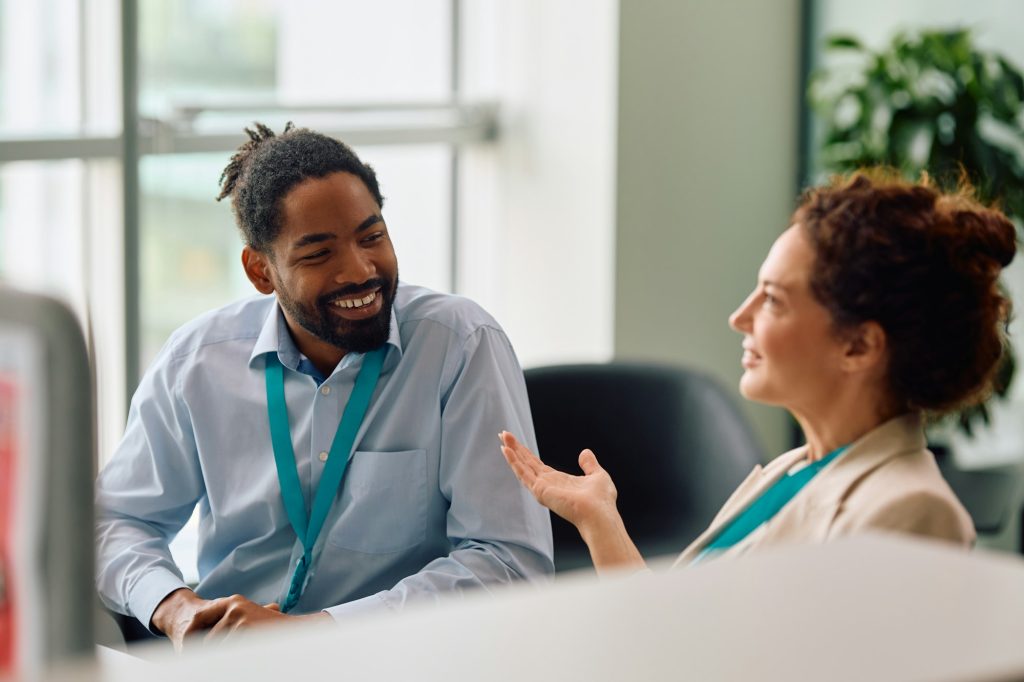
339,437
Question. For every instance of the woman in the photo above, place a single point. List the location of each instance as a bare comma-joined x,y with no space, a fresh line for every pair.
877,307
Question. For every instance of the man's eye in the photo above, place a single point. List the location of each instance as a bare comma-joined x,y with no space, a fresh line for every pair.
376,236
313,256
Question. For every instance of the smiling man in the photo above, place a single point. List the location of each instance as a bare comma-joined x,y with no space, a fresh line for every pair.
338,433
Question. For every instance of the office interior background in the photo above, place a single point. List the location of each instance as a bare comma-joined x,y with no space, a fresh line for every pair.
604,177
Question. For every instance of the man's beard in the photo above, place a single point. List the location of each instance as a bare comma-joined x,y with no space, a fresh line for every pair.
358,336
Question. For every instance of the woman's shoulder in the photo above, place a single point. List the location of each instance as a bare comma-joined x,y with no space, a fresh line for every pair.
911,472
906,493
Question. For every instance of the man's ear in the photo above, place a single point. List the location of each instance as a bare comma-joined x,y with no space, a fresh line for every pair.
257,269
865,347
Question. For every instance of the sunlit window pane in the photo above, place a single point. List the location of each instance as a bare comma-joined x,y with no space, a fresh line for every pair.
41,227
190,259
195,50
39,74
294,51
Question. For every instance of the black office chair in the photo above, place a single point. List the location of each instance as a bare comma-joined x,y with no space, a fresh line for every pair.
671,438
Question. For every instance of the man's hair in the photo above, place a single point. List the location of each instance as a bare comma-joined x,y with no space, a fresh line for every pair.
268,166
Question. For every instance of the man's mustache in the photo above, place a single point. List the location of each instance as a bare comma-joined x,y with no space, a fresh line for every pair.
354,290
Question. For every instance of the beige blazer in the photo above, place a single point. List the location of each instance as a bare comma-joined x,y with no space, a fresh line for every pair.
885,481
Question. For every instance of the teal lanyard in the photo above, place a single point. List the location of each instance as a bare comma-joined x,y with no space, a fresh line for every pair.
767,505
308,529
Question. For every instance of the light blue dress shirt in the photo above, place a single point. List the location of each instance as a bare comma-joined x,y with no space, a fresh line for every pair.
428,505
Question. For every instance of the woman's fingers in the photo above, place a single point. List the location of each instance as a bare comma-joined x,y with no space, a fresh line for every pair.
519,453
588,462
525,463
521,471
511,442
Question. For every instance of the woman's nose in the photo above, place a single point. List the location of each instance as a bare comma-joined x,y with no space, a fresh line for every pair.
740,318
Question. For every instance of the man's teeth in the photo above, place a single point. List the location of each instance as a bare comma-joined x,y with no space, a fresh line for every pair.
356,302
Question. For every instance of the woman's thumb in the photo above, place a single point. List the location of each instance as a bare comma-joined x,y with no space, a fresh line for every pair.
588,461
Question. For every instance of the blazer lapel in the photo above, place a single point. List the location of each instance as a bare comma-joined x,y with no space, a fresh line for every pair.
760,479
809,516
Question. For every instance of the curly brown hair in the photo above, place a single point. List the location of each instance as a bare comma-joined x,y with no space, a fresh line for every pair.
922,263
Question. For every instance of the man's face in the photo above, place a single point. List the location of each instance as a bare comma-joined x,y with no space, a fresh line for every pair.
333,267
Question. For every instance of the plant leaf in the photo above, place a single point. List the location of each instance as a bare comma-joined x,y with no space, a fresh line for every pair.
843,42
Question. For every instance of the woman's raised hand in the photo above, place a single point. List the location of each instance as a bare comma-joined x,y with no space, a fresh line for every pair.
581,500
587,502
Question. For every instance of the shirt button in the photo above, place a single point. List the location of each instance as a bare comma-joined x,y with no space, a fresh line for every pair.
326,390
323,456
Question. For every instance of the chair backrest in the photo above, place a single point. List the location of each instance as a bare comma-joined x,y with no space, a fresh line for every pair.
671,438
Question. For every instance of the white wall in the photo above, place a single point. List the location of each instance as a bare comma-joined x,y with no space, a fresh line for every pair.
707,143
647,161
537,207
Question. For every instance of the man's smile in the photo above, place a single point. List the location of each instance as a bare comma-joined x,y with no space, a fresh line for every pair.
358,302
358,307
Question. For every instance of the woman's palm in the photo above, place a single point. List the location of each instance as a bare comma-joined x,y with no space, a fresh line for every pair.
576,499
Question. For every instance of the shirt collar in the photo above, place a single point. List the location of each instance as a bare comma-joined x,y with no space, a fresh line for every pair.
274,337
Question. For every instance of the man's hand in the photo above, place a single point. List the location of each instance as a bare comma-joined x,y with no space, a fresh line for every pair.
183,613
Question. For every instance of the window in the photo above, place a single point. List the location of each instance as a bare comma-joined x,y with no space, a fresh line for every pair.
122,223
205,71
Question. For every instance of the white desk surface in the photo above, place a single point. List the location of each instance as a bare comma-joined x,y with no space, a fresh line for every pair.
867,608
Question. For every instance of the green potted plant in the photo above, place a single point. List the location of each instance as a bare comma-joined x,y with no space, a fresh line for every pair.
928,101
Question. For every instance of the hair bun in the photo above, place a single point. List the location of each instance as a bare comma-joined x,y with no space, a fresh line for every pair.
986,237
922,263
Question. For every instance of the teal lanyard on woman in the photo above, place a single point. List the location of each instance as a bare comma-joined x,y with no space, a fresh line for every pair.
767,505
308,529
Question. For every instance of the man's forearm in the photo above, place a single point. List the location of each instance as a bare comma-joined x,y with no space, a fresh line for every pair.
471,566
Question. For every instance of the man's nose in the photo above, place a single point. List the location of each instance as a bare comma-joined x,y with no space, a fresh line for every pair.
355,268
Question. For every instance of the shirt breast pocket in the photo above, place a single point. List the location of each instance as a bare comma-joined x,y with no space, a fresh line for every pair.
383,502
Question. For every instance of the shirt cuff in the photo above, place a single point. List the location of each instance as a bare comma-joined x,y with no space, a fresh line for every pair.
149,591
375,603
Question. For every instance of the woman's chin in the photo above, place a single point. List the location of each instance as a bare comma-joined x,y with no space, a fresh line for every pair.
748,387
754,390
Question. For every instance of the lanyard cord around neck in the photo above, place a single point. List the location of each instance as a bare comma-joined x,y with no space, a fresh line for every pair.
768,504
307,529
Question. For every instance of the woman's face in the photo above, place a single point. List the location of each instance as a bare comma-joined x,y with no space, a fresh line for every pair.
791,355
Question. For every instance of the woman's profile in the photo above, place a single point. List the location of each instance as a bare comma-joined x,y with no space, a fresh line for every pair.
877,308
